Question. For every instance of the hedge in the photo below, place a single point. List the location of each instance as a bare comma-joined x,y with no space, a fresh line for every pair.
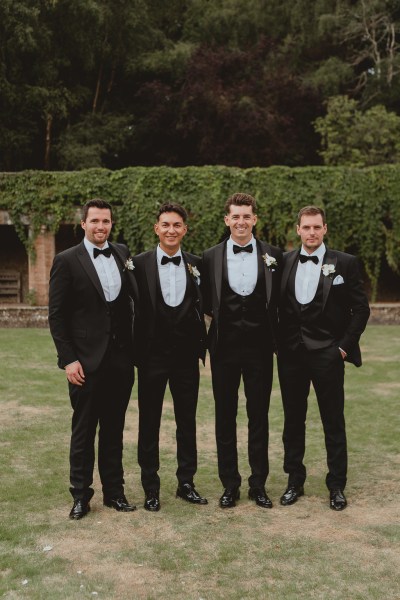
362,205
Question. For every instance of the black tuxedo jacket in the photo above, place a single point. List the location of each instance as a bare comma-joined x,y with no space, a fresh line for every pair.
79,316
345,308
212,286
146,272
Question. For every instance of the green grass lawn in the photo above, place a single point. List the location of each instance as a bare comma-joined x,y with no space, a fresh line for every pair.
304,551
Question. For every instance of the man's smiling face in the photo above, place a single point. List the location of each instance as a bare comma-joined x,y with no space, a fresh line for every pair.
241,221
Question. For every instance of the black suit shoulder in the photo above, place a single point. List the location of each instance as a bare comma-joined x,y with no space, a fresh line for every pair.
211,251
192,257
144,255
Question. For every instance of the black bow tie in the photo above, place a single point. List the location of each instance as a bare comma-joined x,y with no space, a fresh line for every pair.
174,259
106,252
237,249
304,258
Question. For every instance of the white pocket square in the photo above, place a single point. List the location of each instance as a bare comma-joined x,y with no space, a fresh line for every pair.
338,280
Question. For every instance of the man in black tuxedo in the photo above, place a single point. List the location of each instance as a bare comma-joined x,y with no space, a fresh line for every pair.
91,299
171,336
241,288
322,313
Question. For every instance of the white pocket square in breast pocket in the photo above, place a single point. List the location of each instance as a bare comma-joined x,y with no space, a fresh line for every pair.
338,280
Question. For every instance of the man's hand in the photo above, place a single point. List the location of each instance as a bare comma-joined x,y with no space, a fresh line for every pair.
343,353
75,374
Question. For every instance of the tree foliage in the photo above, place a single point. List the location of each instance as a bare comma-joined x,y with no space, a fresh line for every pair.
354,138
186,82
362,205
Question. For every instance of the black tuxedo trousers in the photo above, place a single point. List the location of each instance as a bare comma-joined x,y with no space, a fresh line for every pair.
182,373
102,400
255,366
324,368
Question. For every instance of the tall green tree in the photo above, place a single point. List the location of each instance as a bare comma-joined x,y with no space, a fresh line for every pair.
351,137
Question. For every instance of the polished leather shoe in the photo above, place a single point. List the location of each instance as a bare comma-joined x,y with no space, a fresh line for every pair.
292,494
187,492
260,496
229,497
79,510
152,501
120,503
337,499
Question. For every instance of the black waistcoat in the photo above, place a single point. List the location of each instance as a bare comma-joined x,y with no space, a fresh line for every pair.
177,326
121,318
243,319
306,323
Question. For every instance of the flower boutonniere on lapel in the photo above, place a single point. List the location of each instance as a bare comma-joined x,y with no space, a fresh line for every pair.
195,273
270,262
129,264
328,270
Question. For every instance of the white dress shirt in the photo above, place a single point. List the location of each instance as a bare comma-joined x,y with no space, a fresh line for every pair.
307,276
242,268
107,270
172,278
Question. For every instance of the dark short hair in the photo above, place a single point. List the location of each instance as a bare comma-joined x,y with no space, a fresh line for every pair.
95,203
311,210
240,199
168,207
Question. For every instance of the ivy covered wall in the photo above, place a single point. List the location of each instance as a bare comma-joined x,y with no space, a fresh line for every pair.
362,205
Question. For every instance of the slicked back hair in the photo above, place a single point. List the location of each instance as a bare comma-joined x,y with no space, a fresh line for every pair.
168,207
96,203
311,210
240,199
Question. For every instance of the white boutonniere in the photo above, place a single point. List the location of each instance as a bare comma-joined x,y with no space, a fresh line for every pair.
270,261
328,270
129,264
193,270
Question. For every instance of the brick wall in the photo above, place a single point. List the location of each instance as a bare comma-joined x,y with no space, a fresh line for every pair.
39,267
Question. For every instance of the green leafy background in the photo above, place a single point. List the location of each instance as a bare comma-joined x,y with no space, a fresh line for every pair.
362,205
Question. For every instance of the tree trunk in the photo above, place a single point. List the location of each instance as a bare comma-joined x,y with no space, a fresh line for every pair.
110,83
97,92
49,122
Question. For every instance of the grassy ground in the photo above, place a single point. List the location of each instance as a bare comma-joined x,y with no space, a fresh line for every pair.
303,551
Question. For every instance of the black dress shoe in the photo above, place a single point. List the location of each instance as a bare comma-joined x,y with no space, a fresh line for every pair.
337,499
292,494
152,500
79,510
120,503
260,496
229,497
187,492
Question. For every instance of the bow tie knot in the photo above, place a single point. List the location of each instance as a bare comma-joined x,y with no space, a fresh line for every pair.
174,259
304,258
106,252
237,249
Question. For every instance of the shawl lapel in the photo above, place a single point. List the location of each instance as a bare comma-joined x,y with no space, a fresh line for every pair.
291,261
262,249
151,275
120,260
86,262
219,255
331,259
190,280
